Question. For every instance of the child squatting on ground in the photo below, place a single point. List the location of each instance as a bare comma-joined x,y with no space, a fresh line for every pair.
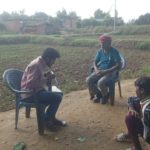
138,117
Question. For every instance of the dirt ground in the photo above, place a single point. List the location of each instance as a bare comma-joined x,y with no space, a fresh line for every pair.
90,126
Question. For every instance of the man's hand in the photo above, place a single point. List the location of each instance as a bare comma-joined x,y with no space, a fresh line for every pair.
97,71
132,112
101,72
49,75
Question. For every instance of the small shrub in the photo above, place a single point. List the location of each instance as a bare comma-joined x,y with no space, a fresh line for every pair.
145,70
143,45
84,42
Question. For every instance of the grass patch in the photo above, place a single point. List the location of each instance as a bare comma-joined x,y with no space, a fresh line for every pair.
145,70
77,53
143,45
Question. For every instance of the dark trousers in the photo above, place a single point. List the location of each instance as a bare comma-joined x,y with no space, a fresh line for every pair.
51,100
135,128
99,84
91,81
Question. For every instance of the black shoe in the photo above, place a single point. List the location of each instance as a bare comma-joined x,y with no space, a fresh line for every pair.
105,99
96,99
91,98
50,126
60,123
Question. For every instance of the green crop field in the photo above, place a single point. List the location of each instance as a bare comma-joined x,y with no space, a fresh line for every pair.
76,52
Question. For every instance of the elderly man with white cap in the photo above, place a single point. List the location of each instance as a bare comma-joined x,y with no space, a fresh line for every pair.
106,62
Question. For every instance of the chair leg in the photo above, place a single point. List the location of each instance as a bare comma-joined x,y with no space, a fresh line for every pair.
119,86
28,109
16,115
40,119
112,94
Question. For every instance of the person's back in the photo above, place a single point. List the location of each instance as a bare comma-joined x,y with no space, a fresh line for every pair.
33,78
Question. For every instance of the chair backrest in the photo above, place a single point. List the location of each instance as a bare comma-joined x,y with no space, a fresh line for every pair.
123,65
146,113
12,79
123,62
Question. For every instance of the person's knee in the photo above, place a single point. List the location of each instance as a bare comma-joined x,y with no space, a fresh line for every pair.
59,97
90,81
129,119
87,80
100,84
60,93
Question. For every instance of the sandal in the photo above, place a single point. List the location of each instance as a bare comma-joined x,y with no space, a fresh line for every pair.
130,148
123,137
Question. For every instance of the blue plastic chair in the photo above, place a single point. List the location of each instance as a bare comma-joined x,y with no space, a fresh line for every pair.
12,79
111,84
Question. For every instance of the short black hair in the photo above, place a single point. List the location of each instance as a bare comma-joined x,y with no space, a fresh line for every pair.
144,83
50,53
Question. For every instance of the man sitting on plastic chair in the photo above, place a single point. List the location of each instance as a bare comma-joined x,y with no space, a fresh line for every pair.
106,63
37,77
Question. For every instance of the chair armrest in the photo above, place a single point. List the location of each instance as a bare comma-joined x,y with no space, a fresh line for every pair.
22,91
25,92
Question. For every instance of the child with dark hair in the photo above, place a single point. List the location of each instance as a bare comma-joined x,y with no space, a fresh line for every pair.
138,118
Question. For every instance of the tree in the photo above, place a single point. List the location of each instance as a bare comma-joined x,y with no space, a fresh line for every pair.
62,14
90,22
119,21
106,19
99,14
73,15
132,21
40,16
55,21
143,19
5,16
